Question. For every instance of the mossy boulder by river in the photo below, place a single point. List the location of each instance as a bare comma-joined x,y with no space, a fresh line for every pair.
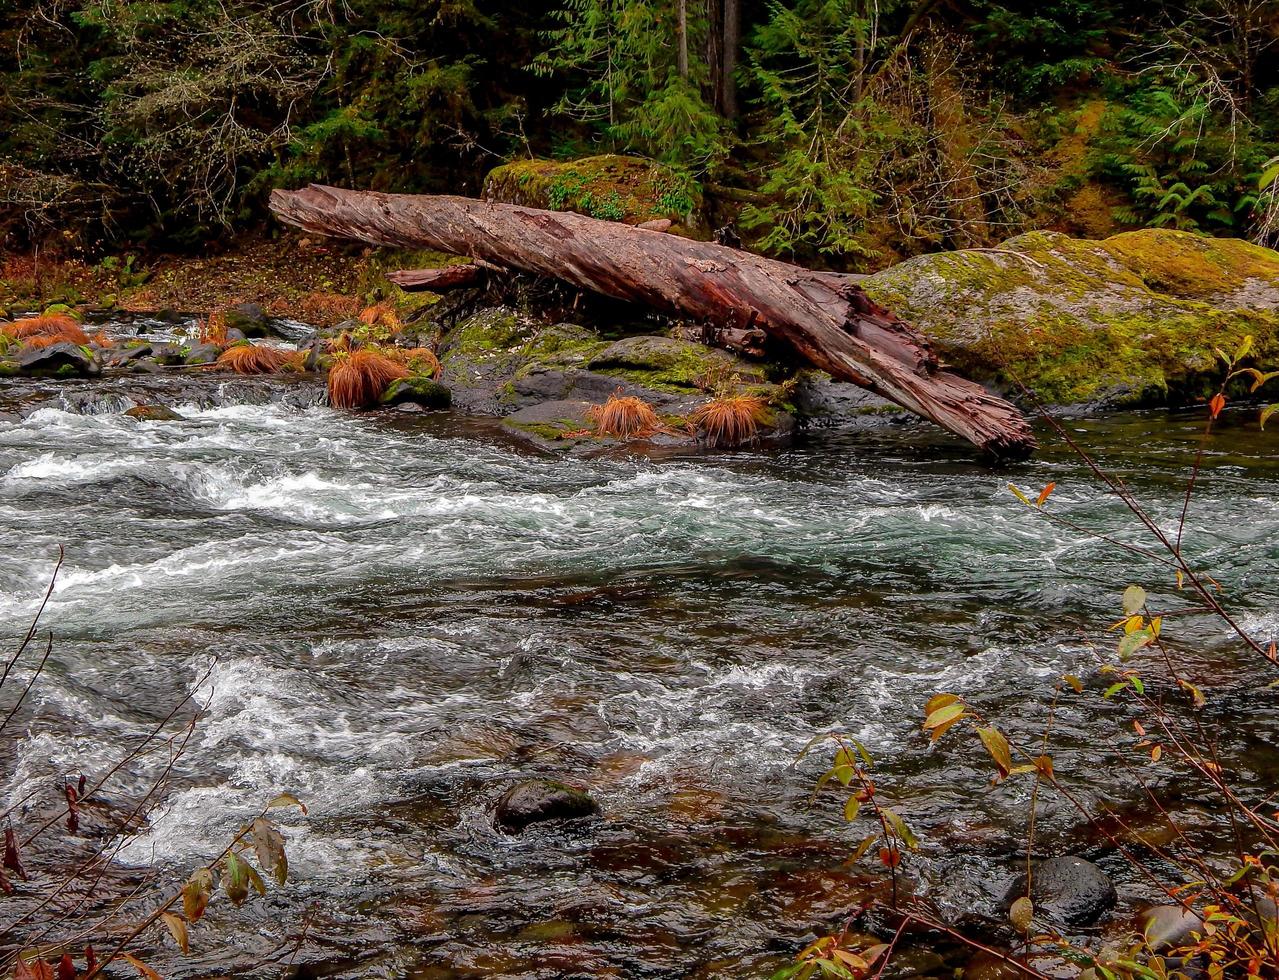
1132,319
611,187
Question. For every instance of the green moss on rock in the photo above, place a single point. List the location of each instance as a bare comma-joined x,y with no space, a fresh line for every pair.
1129,320
419,390
611,187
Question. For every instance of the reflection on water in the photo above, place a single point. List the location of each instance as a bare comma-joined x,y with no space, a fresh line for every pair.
406,613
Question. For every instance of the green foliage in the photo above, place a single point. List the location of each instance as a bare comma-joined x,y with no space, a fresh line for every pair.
619,61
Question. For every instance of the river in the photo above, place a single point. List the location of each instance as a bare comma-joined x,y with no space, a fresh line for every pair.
400,615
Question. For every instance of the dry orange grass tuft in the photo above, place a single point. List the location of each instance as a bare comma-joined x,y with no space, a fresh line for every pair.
359,379
47,340
101,339
625,417
257,359
730,421
55,325
419,360
381,314
213,329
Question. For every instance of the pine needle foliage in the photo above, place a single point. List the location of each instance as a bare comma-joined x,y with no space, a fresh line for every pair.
359,379
625,417
732,420
57,325
259,359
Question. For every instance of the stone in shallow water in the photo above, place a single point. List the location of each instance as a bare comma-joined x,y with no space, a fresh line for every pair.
64,359
153,413
419,391
1168,925
1067,890
203,354
537,800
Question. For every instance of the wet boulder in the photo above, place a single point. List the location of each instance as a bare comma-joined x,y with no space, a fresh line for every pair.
418,391
1167,926
203,354
248,318
169,355
123,356
64,360
1068,891
538,800
153,413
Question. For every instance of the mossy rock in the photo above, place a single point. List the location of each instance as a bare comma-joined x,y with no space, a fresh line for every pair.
419,390
9,368
668,364
611,187
555,425
1132,319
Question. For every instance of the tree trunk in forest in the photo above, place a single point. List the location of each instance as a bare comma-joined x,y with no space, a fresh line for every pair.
681,53
732,44
825,316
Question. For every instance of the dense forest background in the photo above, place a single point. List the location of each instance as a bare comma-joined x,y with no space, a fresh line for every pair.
852,132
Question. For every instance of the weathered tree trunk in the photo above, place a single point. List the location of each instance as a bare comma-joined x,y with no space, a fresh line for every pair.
439,280
824,316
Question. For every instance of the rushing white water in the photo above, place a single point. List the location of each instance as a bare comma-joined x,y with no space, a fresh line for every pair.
397,617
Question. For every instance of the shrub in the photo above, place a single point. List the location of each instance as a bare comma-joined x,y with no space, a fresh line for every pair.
731,420
258,359
625,417
360,378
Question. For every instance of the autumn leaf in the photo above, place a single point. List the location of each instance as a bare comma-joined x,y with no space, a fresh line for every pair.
178,930
195,894
141,967
998,748
1217,404
1044,494
1022,914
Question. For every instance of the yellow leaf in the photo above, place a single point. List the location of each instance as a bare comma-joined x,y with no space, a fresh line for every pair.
178,930
944,714
1022,914
141,967
1019,495
939,701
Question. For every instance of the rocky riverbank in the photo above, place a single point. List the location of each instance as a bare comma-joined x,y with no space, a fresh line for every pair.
1131,320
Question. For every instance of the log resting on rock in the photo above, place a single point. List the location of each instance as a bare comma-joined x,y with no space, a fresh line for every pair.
825,316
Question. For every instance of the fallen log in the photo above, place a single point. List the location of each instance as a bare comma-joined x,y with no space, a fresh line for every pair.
825,317
438,280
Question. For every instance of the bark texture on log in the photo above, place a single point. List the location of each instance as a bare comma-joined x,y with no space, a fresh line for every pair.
438,280
824,316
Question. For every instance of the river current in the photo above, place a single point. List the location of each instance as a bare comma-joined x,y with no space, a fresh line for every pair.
396,616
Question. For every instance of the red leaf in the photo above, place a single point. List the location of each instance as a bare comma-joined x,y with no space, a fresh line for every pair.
1044,494
66,969
12,859
1217,404
73,808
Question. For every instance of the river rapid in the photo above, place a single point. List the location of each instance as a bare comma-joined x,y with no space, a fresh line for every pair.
396,616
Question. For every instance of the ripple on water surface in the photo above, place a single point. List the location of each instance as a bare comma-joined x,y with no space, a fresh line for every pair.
396,617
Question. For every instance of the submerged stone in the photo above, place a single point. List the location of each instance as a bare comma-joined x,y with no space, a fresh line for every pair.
538,800
1067,890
